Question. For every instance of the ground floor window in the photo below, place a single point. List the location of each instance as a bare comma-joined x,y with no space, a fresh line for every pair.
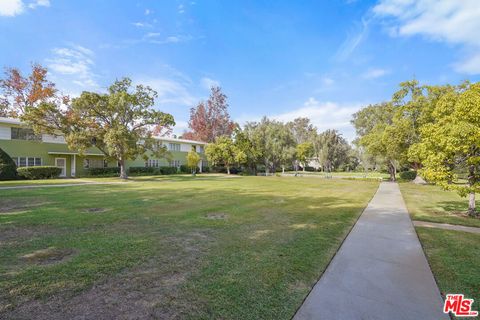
154,163
94,163
175,163
27,161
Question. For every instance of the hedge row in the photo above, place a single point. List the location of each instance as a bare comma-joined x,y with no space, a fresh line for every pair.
408,175
103,172
152,170
40,172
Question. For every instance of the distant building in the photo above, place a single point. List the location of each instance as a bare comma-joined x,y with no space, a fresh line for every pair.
28,149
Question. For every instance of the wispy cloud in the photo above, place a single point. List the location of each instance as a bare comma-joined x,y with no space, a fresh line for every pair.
208,83
353,40
141,24
39,3
375,73
181,8
450,21
75,62
11,8
170,91
148,12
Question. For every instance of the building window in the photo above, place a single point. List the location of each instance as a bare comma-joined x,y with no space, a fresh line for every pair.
154,163
200,149
25,134
175,163
27,161
174,146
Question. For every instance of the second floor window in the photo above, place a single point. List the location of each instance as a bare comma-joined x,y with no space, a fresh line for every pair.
25,134
152,163
174,146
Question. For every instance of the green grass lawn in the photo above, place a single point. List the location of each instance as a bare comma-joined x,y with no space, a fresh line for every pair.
431,203
454,256
172,246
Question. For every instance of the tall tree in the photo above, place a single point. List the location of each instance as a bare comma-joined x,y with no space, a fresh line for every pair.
120,123
17,92
376,133
273,141
452,141
224,151
302,130
304,151
210,119
331,149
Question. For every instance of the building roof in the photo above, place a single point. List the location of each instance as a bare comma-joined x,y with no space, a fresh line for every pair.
168,139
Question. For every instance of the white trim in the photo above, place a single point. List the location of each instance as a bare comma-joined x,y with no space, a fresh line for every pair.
64,168
73,166
18,122
76,153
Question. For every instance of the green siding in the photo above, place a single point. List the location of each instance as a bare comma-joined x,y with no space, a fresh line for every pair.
22,148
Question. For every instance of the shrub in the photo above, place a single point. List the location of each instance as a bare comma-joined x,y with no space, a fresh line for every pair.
168,170
103,172
185,169
40,172
408,175
205,169
144,171
8,168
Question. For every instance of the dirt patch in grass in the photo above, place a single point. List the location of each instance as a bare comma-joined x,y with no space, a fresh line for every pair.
48,256
216,216
11,233
95,210
155,289
257,234
16,205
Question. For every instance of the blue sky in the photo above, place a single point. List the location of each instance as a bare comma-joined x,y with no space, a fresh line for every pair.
283,59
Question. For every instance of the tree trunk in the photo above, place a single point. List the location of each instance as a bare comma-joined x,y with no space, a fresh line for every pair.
304,167
283,169
472,179
471,205
123,171
393,171
228,169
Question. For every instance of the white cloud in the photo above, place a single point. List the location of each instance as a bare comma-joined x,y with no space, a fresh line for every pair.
170,91
353,41
181,8
142,24
75,62
39,3
327,81
11,8
451,21
148,11
323,115
207,83
374,73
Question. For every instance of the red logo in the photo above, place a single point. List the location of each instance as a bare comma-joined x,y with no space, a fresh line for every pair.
459,306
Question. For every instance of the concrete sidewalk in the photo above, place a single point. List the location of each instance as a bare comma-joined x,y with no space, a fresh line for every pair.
380,271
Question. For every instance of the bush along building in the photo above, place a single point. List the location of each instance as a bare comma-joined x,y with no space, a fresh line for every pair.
28,149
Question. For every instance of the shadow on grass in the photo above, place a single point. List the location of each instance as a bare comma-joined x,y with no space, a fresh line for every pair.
258,262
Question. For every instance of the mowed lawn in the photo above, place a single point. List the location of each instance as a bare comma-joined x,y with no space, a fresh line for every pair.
172,246
454,256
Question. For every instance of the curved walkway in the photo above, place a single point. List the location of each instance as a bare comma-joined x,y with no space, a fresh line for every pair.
379,272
